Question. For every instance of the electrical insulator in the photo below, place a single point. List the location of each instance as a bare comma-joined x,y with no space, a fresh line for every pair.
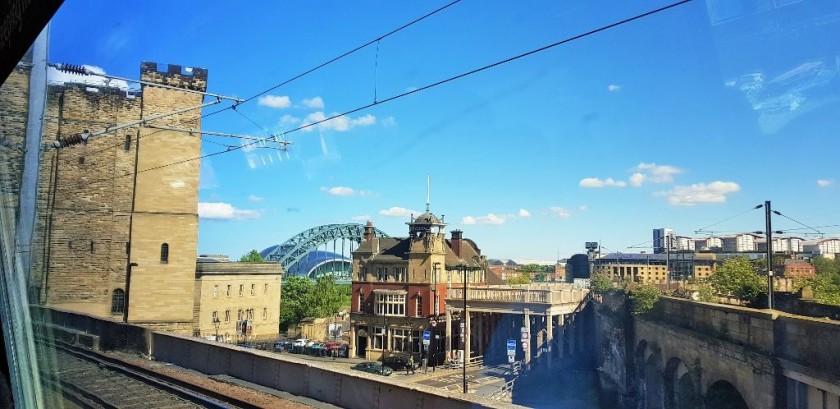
73,69
71,140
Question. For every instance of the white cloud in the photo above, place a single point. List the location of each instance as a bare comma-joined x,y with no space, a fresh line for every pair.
275,101
398,212
583,208
657,173
54,76
289,119
824,182
714,192
729,84
637,179
361,219
595,182
489,219
224,211
524,213
364,120
314,103
340,123
614,88
388,121
560,212
343,191
255,198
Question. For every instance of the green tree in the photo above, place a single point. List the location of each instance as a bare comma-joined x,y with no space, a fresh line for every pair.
826,284
737,277
520,279
826,288
643,298
295,301
826,266
326,297
252,257
303,298
601,283
706,292
541,276
531,268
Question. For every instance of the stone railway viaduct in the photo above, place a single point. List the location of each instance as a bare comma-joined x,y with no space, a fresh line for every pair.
687,354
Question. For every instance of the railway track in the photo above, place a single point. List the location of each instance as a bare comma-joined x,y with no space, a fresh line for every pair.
88,379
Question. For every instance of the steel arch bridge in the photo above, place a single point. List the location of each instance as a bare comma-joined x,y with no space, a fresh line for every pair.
292,251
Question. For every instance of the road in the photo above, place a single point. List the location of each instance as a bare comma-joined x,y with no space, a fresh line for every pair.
483,381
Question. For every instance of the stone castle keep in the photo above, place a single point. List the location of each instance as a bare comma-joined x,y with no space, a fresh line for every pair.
117,225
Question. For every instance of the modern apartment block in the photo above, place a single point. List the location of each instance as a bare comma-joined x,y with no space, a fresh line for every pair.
662,239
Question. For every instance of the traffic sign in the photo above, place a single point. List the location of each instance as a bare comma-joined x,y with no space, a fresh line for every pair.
427,335
511,345
511,359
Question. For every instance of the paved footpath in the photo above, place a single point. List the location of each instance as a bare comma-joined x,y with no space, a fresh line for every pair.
482,381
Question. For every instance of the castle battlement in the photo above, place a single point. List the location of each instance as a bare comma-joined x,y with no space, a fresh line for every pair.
191,78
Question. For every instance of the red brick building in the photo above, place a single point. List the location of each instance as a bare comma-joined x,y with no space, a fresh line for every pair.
399,287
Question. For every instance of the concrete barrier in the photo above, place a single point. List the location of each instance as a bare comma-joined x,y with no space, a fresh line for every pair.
306,378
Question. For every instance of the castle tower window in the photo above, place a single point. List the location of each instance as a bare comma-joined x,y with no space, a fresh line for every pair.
127,143
164,253
118,301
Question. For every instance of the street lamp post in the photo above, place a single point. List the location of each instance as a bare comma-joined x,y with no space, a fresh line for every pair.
216,323
463,322
436,309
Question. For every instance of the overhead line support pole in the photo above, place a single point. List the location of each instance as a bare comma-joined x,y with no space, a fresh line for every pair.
767,215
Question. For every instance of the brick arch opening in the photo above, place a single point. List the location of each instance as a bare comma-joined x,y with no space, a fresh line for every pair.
681,386
724,395
653,380
639,367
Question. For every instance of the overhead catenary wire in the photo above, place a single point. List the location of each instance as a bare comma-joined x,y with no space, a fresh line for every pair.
422,88
345,54
702,229
776,212
298,76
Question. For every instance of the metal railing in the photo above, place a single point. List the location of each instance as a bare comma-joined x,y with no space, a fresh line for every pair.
506,389
520,295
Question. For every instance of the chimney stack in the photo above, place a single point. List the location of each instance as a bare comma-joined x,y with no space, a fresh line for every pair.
369,233
457,236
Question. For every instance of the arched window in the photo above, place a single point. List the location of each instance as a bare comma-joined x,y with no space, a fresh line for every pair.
164,253
118,301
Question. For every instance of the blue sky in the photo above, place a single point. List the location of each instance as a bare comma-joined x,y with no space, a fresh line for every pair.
681,119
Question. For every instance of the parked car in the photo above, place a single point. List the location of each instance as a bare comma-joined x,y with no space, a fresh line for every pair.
299,344
373,367
281,346
335,349
397,363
